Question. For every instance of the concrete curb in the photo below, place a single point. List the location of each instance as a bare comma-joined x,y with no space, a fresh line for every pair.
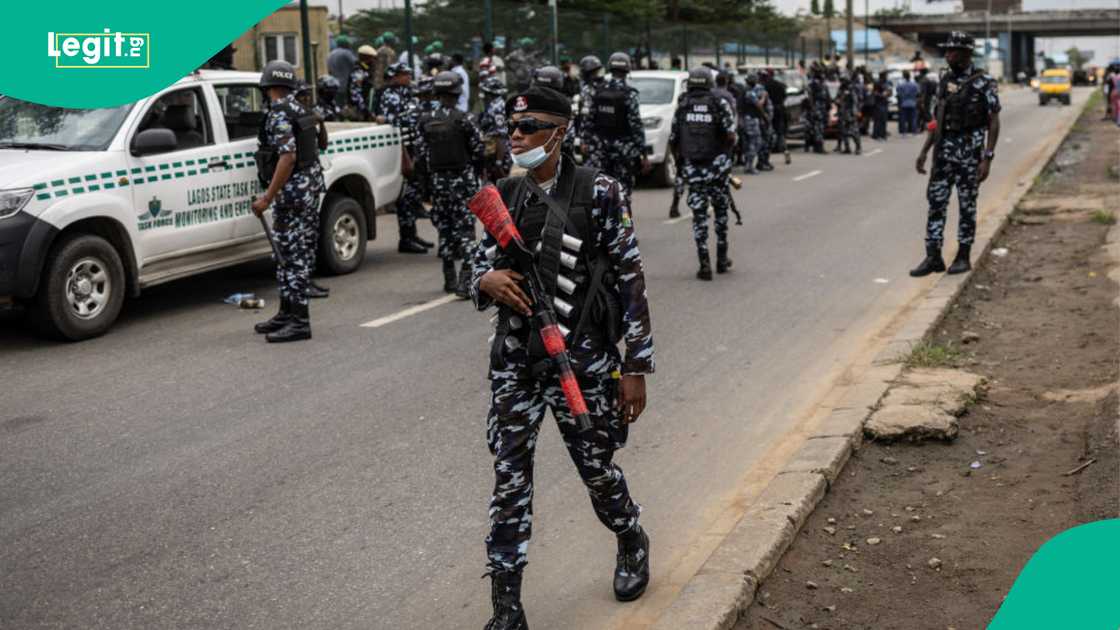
724,587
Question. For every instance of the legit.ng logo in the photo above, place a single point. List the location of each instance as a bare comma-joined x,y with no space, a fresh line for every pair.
106,50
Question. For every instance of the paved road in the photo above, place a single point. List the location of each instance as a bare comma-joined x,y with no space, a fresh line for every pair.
181,473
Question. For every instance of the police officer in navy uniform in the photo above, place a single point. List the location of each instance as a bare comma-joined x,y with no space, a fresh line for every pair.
289,172
580,213
494,125
326,104
450,155
703,134
553,78
967,111
612,130
398,106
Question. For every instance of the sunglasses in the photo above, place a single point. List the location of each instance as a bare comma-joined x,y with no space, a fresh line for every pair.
529,126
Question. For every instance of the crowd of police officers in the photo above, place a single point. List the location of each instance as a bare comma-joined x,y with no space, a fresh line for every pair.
573,208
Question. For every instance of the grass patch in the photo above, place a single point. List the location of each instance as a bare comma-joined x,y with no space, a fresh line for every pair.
928,354
1104,217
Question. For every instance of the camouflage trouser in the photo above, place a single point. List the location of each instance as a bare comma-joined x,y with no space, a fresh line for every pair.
814,129
517,408
678,182
752,142
707,185
295,230
450,215
849,131
408,206
766,140
943,177
617,165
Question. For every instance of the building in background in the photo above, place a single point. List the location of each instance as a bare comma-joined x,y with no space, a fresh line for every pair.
278,37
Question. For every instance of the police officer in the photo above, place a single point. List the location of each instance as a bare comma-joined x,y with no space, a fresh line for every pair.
591,77
306,98
967,110
848,106
358,106
703,134
289,172
553,78
326,103
495,129
399,107
754,119
613,134
450,153
816,110
556,202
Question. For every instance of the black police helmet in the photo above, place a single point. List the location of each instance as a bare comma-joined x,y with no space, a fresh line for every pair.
589,64
958,40
448,82
619,62
549,76
327,83
700,79
279,74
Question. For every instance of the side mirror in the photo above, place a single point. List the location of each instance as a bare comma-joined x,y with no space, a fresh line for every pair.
152,141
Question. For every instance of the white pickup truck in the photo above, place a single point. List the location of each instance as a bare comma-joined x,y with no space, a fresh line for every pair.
102,203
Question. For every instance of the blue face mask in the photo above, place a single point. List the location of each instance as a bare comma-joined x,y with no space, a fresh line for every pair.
533,157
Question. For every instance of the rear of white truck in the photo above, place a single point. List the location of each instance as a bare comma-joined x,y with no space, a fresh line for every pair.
96,205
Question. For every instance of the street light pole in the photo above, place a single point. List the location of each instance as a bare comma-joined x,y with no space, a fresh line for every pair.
488,23
988,33
848,19
866,31
305,26
554,19
408,35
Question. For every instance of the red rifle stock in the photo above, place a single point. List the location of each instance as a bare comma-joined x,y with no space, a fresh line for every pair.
492,212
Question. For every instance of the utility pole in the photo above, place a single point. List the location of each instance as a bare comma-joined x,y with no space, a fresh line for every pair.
305,26
850,46
340,17
988,33
408,35
554,20
866,31
488,23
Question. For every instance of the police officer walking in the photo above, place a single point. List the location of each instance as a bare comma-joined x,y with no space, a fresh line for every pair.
450,153
612,133
495,129
967,109
703,134
289,173
580,213
754,119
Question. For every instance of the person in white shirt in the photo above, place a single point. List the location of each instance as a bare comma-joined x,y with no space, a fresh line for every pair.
465,97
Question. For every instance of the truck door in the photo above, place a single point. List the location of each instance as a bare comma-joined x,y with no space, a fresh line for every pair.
186,192
243,112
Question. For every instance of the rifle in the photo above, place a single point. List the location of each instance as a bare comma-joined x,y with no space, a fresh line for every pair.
492,212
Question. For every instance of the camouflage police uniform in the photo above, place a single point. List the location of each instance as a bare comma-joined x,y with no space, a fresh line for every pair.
401,109
752,128
519,396
848,103
495,128
360,88
295,210
616,150
451,189
956,159
816,110
707,179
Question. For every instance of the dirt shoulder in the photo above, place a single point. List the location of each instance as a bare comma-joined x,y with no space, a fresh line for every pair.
952,524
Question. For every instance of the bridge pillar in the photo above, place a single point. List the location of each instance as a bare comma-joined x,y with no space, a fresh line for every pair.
1004,45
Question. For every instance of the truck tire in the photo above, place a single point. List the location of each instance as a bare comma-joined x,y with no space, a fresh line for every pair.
1042,100
342,237
666,171
82,289
1065,99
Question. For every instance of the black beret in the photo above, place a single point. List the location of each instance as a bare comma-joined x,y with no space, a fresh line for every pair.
540,99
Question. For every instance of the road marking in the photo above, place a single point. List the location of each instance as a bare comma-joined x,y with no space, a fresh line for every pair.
410,311
807,175
875,152
881,281
1008,140
677,220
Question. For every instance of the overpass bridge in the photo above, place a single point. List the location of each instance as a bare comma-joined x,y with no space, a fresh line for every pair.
1017,30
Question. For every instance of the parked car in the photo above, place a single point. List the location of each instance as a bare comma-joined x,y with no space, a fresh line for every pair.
98,204
658,95
796,94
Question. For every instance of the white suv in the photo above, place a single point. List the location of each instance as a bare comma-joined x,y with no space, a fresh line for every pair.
658,94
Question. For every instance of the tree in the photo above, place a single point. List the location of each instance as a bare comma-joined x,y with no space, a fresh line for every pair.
1077,59
814,7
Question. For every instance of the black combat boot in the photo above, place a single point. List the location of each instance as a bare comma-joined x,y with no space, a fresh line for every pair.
675,208
463,287
424,242
278,321
505,594
298,327
723,263
962,262
930,264
408,243
631,574
705,272
317,291
450,281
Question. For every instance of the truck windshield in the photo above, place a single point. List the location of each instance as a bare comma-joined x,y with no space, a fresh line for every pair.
653,91
1057,78
25,125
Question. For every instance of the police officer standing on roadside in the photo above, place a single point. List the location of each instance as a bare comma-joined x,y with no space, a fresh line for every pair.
703,134
613,131
581,213
816,109
553,78
590,78
399,107
967,110
326,103
450,153
292,180
494,126
848,106
358,106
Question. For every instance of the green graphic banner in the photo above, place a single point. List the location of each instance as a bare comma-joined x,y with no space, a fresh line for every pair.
1072,582
80,54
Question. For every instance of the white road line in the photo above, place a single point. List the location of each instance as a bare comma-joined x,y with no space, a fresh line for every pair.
875,152
409,312
807,175
683,217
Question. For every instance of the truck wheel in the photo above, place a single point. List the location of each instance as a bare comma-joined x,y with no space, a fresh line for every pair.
1042,100
1065,100
666,171
82,290
342,239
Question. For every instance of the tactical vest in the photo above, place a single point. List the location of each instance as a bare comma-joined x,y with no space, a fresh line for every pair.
701,134
307,142
965,110
611,117
447,141
751,107
596,310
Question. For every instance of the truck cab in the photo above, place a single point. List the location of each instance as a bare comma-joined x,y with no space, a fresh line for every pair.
99,204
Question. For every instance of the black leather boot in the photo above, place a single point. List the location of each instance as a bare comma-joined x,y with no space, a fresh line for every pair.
450,281
505,594
425,243
962,262
463,287
675,208
316,291
631,574
298,327
278,321
723,263
705,272
408,243
930,264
